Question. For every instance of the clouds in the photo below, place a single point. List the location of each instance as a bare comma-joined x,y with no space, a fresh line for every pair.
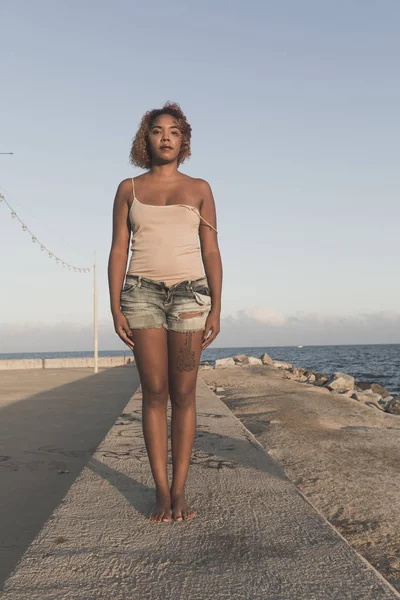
262,326
251,326
58,337
263,314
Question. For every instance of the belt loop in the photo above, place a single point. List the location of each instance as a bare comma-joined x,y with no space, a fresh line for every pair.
140,281
189,284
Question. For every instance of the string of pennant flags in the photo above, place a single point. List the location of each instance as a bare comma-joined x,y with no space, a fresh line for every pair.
43,248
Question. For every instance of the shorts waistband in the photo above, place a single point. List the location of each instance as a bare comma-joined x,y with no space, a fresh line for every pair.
162,285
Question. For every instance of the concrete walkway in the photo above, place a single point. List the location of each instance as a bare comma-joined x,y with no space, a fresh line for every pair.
255,537
50,420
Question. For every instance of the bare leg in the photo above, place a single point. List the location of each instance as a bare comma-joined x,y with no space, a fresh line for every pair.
184,350
152,362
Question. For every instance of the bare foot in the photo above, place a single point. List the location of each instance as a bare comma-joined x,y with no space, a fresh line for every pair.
162,512
180,509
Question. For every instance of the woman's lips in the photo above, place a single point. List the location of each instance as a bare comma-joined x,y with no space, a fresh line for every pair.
165,148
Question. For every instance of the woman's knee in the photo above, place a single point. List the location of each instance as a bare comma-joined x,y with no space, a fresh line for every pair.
155,393
183,398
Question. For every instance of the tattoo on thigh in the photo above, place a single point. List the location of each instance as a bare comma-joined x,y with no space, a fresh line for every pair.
186,358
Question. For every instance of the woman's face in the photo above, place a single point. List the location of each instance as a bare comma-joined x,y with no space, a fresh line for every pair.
165,139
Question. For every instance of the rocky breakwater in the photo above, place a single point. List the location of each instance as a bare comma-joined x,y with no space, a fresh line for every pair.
370,394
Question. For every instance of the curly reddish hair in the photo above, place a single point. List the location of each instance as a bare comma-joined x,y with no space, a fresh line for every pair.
140,154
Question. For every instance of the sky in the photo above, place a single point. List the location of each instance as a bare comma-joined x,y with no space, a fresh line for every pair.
295,125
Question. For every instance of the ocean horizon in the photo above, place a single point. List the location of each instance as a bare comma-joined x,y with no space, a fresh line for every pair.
373,363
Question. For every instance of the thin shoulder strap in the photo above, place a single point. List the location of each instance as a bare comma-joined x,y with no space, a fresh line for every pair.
209,224
196,210
133,189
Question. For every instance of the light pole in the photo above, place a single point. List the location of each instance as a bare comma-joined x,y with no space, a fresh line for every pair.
96,338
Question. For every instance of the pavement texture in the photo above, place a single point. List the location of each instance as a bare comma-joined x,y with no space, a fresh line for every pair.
50,420
343,455
255,536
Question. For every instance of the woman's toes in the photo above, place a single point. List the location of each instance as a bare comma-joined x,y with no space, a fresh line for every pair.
154,517
167,517
188,515
178,516
161,512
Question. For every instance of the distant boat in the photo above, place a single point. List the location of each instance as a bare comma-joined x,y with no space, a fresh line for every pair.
299,346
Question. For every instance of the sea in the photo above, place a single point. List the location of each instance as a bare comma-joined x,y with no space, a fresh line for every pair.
373,363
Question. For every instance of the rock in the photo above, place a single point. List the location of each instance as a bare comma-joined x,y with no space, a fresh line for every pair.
279,364
204,363
252,360
298,374
320,379
393,406
311,378
366,396
240,358
370,398
374,387
219,389
205,367
299,378
285,375
341,382
299,371
302,371
385,401
224,362
378,389
266,359
363,385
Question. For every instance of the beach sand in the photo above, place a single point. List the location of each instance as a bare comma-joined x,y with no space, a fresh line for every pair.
343,456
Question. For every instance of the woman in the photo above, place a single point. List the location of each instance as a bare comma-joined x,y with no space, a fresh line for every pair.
169,308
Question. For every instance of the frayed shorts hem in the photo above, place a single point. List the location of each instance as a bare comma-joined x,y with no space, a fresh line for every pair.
165,326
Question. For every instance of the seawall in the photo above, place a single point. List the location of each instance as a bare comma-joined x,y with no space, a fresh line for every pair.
65,363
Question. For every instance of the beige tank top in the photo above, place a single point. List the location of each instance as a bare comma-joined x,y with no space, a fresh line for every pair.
165,241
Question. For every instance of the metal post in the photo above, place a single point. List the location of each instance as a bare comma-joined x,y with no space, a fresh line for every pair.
96,341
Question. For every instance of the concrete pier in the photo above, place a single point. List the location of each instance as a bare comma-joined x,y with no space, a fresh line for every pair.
65,363
256,536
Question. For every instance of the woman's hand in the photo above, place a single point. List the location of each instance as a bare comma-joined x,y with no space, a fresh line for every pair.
212,324
123,330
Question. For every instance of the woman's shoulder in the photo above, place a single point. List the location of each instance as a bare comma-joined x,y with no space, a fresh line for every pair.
128,181
197,182
125,187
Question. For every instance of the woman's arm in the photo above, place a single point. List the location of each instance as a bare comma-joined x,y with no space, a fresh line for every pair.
118,259
212,262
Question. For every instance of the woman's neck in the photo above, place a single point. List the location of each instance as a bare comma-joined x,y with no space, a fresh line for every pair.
164,171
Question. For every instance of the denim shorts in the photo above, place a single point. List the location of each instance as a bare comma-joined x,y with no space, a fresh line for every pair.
148,304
